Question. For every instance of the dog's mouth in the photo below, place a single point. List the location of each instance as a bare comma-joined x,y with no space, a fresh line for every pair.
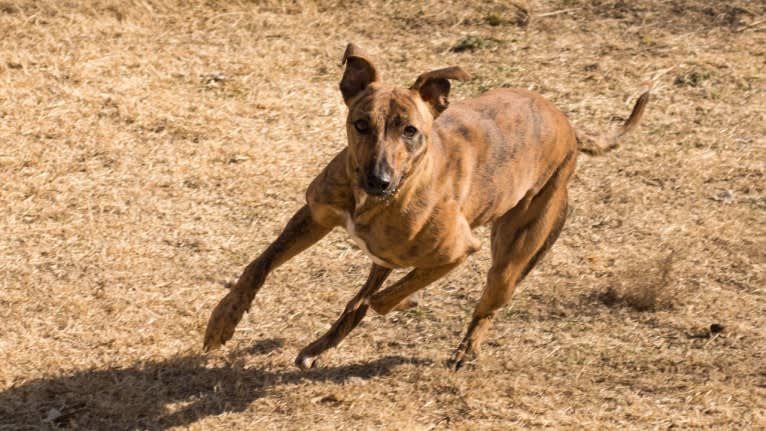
388,192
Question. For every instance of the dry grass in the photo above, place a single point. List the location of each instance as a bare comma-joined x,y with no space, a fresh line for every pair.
642,288
148,150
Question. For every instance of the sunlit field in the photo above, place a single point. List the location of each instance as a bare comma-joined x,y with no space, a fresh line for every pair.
149,150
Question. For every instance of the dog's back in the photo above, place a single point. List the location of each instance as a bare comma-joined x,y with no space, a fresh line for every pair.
517,140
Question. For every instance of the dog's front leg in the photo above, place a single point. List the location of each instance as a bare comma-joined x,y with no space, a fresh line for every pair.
301,232
392,296
352,315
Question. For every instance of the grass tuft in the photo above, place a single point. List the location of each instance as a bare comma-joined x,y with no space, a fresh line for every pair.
643,288
695,78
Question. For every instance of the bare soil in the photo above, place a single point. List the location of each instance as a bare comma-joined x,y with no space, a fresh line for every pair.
149,150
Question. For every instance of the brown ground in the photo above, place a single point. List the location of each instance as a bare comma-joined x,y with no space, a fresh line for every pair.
148,151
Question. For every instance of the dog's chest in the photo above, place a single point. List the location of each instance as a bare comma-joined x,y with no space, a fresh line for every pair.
394,243
351,229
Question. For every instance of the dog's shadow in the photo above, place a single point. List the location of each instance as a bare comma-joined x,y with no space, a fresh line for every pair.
163,394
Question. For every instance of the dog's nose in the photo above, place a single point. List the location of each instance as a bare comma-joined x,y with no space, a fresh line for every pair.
378,182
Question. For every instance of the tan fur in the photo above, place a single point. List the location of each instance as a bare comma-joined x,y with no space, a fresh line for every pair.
411,199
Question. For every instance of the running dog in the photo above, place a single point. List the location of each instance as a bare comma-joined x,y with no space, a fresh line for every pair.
417,177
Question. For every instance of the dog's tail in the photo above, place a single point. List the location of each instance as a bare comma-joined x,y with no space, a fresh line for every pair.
596,145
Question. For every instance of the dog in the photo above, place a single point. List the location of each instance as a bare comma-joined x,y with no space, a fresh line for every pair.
417,177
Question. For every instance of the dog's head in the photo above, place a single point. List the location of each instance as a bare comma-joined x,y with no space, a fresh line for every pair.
389,128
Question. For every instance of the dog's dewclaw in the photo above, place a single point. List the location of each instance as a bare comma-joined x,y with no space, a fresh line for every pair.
224,319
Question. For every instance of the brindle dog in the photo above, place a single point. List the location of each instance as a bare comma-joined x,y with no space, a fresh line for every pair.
414,181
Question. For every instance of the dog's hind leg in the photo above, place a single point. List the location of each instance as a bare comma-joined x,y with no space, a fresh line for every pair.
300,233
352,315
519,239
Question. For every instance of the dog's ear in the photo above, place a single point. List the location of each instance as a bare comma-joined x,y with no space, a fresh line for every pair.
434,87
359,73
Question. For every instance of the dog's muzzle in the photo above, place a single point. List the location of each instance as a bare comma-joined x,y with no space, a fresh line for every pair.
378,179
377,183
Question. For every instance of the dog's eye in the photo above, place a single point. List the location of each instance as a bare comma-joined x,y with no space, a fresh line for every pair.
410,131
362,126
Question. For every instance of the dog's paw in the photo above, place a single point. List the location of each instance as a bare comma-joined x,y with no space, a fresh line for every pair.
462,356
304,362
224,319
407,303
383,304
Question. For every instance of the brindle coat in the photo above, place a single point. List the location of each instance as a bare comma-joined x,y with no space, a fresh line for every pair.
415,180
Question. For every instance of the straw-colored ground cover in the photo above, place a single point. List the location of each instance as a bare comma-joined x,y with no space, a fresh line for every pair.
149,150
